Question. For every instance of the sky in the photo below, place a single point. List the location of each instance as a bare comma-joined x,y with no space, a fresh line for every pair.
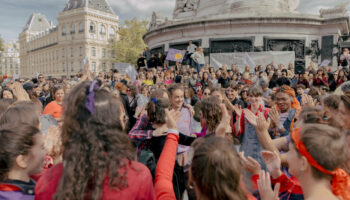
14,14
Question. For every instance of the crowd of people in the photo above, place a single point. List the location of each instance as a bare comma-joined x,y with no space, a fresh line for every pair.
185,131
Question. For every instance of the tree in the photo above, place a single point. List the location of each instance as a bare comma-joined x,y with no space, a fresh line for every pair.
130,43
1,44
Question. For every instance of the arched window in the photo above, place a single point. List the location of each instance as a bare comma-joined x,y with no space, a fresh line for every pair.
102,30
64,30
111,31
72,29
92,27
81,27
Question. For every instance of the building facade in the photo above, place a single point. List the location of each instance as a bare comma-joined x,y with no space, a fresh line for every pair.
86,29
9,60
221,26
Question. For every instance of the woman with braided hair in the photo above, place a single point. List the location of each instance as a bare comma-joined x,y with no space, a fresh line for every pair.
97,154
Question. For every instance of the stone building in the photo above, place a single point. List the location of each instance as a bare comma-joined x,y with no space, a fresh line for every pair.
225,26
9,60
85,29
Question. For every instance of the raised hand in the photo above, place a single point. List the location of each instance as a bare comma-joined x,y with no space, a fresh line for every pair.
53,143
265,189
171,118
224,123
237,109
307,100
262,124
275,116
273,163
250,117
160,131
19,92
190,108
250,164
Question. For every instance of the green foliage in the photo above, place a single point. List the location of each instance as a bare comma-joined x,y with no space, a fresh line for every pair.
1,44
130,43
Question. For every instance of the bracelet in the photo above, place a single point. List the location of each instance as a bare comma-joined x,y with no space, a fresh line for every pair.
280,127
176,132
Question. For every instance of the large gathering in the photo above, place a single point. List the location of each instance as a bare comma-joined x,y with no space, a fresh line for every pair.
264,133
200,119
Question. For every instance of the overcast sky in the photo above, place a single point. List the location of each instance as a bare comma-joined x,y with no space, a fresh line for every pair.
15,13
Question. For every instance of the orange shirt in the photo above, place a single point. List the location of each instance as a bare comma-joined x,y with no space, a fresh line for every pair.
54,109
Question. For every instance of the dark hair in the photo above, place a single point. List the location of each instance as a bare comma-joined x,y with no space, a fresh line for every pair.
16,139
55,89
331,101
174,87
22,112
211,112
216,169
302,86
346,100
4,104
94,145
156,110
6,89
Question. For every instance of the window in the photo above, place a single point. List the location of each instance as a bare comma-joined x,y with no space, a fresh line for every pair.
63,53
71,67
64,31
93,51
111,31
113,54
81,27
104,66
103,52
71,52
72,29
102,30
81,51
92,27
93,66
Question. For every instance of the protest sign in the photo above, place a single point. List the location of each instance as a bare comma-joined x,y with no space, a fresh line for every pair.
175,55
126,68
251,59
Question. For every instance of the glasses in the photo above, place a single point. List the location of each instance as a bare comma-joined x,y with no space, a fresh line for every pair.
245,91
40,77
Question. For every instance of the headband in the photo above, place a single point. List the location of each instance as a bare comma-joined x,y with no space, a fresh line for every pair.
90,97
341,180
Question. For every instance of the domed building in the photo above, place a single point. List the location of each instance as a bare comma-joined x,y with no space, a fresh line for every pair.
226,26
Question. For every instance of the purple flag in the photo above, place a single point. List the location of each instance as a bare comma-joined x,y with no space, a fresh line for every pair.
175,55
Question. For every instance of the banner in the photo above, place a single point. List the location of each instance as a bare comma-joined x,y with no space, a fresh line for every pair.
126,68
252,59
175,55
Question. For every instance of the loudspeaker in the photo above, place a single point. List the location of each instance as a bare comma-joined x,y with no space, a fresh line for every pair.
299,67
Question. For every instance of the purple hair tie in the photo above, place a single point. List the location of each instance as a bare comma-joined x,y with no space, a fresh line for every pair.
90,98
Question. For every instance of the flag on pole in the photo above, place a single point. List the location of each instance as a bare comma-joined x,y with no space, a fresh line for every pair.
249,61
175,55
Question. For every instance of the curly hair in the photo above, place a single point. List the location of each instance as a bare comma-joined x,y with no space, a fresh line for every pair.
216,169
211,112
95,147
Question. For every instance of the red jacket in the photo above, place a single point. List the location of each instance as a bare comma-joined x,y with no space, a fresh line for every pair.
139,181
165,169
